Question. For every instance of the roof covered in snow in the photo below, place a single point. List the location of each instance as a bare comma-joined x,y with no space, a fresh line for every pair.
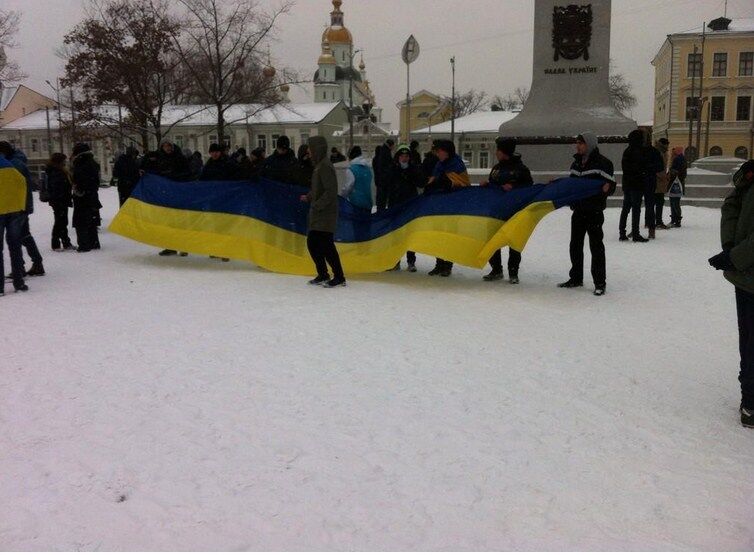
202,115
6,95
478,122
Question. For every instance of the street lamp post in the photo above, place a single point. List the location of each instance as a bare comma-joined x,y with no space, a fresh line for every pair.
60,107
453,101
352,53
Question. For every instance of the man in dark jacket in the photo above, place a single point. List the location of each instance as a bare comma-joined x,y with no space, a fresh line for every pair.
170,162
737,261
508,174
430,161
219,166
323,216
86,182
416,157
381,166
126,171
336,156
18,159
589,214
635,166
281,165
60,190
403,185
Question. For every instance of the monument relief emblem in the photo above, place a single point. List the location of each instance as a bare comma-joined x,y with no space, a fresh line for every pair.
571,31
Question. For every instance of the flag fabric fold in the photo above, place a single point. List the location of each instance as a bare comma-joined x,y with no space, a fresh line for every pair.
12,188
266,223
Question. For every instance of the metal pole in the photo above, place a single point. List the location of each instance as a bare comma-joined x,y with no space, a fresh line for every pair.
49,131
350,100
701,92
408,103
73,121
453,102
690,109
706,134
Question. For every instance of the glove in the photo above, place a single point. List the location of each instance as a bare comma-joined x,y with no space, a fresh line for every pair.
722,262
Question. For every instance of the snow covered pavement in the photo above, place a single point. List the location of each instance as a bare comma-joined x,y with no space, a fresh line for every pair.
152,403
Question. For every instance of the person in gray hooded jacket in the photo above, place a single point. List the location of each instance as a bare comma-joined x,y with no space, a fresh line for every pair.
323,216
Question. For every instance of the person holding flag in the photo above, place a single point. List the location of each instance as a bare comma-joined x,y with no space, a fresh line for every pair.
12,205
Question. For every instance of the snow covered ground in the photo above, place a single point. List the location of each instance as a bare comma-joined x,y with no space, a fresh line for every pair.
152,403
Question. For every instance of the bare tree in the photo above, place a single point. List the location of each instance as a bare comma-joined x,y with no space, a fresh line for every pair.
621,93
9,70
221,48
468,102
511,101
122,61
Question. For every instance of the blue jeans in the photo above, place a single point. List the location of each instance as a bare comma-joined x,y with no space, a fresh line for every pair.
12,224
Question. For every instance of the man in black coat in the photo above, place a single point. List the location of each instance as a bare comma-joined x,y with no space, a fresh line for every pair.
219,166
635,166
430,161
171,163
126,171
382,164
589,214
281,165
508,174
403,184
416,157
86,182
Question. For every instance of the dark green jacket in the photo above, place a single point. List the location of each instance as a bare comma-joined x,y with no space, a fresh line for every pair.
323,212
737,233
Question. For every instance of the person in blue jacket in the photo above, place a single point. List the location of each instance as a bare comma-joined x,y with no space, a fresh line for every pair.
359,180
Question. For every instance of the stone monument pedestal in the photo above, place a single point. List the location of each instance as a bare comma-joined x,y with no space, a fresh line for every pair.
570,86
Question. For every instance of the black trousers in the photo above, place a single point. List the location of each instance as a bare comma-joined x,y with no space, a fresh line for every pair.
124,191
323,252
745,310
85,213
676,215
649,207
659,206
411,257
632,205
582,224
381,194
514,262
28,242
60,227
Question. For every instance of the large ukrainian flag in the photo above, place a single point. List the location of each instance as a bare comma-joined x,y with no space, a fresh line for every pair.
266,223
12,188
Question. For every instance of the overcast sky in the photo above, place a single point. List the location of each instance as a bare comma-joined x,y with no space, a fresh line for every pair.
491,40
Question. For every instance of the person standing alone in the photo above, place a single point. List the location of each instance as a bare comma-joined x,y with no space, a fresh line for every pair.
323,216
737,261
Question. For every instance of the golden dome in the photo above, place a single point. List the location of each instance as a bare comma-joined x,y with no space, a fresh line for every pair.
337,35
326,57
269,72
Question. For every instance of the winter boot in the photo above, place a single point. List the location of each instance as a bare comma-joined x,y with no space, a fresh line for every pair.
747,417
513,279
623,236
637,238
436,270
652,233
168,252
494,275
9,277
319,280
21,287
335,282
37,269
411,267
446,269
571,284
599,290
661,225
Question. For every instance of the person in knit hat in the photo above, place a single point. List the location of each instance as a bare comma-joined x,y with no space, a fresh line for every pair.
508,174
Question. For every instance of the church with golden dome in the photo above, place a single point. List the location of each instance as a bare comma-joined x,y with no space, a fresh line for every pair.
337,72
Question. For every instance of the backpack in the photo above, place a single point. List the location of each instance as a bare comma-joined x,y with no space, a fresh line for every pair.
676,189
44,189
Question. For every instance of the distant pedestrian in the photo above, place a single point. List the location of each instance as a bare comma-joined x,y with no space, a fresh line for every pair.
677,177
86,182
323,216
336,156
219,166
737,261
60,190
359,180
416,157
126,171
662,184
635,166
381,165
281,165
196,165
405,181
430,161
589,214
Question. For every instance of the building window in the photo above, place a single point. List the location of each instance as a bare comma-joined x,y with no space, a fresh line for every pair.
743,108
179,140
484,159
468,156
304,138
717,108
212,139
262,142
694,65
35,145
742,152
746,64
716,151
691,104
275,141
720,64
